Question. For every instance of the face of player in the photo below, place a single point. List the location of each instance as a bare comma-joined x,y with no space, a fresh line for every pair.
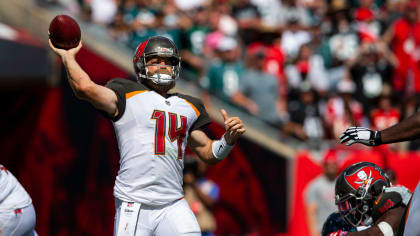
162,65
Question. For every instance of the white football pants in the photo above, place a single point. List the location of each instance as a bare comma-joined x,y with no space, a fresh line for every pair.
19,222
173,219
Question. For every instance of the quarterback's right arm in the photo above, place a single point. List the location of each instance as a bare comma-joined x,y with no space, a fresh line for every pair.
83,87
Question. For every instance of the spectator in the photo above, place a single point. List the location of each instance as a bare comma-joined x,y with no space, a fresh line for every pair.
367,24
258,92
293,37
270,12
130,9
193,43
371,70
344,41
274,58
308,67
404,38
150,24
119,30
190,4
305,121
391,11
292,11
320,194
144,15
103,11
201,194
319,45
342,110
316,9
386,115
223,76
224,20
249,20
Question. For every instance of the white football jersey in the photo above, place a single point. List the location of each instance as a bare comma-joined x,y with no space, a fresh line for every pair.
12,194
152,133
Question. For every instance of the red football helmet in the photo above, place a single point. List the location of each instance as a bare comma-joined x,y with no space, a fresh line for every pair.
157,46
357,188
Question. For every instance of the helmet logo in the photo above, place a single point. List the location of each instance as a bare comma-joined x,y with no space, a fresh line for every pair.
362,179
164,50
362,175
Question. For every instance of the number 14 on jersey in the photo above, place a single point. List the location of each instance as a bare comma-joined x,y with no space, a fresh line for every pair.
174,132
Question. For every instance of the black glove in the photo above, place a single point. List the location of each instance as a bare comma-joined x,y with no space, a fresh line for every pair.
361,135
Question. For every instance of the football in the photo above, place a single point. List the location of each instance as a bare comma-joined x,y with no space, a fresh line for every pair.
64,32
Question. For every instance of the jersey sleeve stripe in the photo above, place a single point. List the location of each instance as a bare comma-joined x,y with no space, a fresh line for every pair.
130,94
193,107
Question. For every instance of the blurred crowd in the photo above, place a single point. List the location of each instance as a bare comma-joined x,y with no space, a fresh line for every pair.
310,68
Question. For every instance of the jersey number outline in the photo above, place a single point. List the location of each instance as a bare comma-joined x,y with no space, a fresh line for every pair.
174,132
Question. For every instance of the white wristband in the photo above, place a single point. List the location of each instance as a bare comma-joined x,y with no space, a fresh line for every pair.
220,148
386,229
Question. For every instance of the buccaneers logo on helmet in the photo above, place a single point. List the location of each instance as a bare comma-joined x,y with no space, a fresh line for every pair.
357,188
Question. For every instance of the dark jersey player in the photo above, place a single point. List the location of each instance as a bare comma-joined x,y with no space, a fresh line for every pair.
367,203
408,129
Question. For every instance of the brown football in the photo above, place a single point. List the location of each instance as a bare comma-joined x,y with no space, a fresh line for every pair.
64,32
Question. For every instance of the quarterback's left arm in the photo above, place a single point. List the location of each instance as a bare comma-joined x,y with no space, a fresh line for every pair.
213,151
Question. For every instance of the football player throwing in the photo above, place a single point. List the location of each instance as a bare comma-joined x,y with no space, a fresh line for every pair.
153,128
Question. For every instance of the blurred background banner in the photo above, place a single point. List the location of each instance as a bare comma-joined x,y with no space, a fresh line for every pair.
21,49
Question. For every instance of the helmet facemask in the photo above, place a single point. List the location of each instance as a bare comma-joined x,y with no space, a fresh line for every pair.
159,78
355,209
151,53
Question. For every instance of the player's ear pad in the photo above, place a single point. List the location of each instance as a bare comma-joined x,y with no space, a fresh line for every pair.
385,202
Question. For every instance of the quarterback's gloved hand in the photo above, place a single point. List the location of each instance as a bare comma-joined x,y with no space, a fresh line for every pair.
361,135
